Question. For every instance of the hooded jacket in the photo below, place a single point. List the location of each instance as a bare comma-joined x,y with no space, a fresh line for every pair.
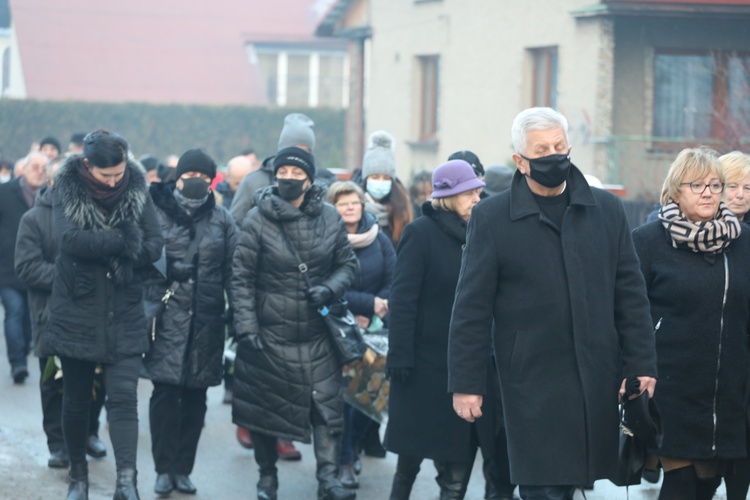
96,309
297,369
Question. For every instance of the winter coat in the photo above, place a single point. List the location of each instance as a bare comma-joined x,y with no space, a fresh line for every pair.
189,343
701,304
36,249
571,321
421,420
375,271
12,207
244,197
96,309
276,387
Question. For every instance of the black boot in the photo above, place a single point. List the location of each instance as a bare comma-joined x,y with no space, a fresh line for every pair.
125,488
78,489
326,447
453,479
407,469
266,457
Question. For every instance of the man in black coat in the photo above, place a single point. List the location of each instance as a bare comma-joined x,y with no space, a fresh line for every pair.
16,197
551,260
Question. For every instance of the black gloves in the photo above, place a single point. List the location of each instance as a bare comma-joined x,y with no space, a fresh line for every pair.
133,237
252,341
180,271
398,374
319,295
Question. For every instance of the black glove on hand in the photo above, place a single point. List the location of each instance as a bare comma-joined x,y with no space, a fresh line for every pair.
398,374
251,341
179,271
133,237
319,295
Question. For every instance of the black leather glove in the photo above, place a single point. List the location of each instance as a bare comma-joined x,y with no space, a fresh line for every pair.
180,271
251,341
319,295
398,374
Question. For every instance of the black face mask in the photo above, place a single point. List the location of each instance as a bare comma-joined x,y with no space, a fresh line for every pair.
549,171
290,189
194,188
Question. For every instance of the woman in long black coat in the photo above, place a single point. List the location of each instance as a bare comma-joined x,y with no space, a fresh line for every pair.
696,261
421,420
108,234
287,376
187,352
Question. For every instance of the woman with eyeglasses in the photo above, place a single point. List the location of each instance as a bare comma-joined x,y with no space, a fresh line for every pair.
696,259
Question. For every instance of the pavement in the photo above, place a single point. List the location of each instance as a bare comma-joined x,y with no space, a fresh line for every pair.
223,469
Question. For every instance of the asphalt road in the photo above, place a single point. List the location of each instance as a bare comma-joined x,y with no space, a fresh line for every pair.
223,470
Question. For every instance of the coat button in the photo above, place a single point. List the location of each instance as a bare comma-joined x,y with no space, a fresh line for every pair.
110,315
190,280
109,275
315,392
190,312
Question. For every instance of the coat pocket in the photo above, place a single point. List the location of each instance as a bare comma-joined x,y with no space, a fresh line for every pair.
83,285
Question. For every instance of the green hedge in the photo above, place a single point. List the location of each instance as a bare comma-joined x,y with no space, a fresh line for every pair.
161,130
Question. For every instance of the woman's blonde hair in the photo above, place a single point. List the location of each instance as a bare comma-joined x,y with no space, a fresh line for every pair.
447,204
736,166
692,164
341,188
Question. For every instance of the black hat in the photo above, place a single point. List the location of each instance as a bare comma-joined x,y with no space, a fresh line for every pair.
195,160
50,140
295,157
497,178
471,159
149,162
77,138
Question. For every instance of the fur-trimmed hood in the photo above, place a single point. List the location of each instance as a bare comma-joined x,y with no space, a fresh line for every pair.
82,210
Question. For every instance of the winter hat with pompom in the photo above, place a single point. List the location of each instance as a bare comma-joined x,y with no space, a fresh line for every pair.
379,158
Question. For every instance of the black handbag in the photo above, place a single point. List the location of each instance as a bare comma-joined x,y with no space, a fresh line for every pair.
342,325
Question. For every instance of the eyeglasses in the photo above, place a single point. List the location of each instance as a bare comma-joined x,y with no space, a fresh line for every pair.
345,204
700,187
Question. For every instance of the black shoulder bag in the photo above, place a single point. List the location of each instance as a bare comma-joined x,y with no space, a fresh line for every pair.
154,310
342,325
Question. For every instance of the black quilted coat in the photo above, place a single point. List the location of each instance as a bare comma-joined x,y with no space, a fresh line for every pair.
276,387
189,344
96,309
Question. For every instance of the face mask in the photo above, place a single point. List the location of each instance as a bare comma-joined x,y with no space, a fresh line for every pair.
290,189
379,189
549,171
194,188
4,178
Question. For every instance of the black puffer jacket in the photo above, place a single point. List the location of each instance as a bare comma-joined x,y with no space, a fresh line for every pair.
36,248
189,341
96,309
276,387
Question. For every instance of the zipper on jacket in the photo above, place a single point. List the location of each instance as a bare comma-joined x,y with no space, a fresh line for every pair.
721,334
658,325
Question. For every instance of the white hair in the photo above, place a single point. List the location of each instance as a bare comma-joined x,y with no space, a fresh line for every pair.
535,119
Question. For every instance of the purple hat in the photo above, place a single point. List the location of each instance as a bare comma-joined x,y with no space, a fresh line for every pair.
454,177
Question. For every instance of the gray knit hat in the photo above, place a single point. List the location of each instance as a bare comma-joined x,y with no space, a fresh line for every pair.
379,158
297,131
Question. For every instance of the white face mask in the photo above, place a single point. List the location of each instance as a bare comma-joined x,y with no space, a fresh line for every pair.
379,189
4,178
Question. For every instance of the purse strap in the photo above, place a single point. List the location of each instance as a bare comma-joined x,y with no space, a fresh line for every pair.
302,267
192,249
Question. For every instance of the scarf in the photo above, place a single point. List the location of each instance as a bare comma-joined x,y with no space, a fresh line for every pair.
105,196
29,193
362,240
189,205
712,236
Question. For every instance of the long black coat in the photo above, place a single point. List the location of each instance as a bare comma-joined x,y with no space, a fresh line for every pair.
572,319
96,310
375,271
702,305
421,420
275,388
12,207
189,344
36,249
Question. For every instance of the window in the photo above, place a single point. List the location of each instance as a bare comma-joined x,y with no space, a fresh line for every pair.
702,95
429,67
269,69
544,77
331,89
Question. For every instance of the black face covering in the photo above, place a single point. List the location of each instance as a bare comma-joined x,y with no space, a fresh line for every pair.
194,188
549,171
290,189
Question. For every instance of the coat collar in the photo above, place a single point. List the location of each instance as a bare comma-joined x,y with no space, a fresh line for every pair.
523,204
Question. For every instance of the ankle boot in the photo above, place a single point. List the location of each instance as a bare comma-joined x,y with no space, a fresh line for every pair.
407,469
453,479
326,447
78,488
268,486
125,488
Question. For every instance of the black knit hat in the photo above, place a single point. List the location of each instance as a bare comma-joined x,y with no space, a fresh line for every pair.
469,158
50,140
195,160
295,157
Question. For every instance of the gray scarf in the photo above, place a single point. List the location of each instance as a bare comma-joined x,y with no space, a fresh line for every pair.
190,205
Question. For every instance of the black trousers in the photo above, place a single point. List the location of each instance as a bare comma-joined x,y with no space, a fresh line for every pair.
546,492
121,380
176,416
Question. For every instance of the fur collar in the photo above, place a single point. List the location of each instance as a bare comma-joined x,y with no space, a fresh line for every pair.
163,196
81,209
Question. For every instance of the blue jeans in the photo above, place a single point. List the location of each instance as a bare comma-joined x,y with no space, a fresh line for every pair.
17,325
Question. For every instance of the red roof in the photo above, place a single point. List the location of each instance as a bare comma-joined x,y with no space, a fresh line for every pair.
166,51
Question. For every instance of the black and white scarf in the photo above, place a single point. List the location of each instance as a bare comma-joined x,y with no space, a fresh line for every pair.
712,236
